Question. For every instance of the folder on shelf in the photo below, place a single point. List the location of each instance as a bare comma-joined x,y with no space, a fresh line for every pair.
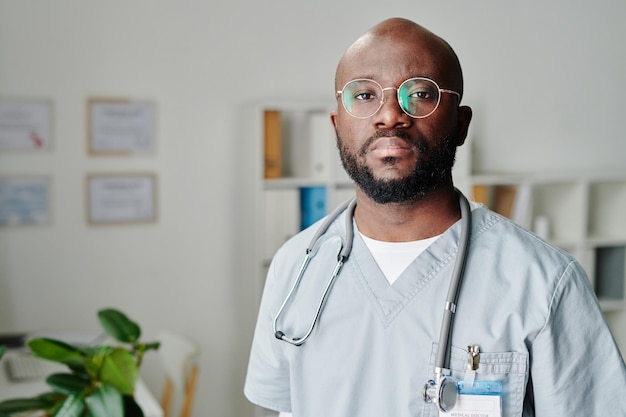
272,144
312,205
309,145
282,218
482,194
512,201
322,145
504,199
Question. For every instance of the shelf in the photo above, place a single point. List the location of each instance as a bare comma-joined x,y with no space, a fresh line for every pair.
562,207
299,143
609,306
607,220
297,159
610,266
582,214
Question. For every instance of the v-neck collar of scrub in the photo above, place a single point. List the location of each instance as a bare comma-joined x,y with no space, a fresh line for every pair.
390,300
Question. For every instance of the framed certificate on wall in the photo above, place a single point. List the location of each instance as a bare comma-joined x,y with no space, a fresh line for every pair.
121,198
25,124
120,127
24,200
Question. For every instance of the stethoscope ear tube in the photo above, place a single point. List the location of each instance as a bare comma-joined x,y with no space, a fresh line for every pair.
442,360
341,257
330,219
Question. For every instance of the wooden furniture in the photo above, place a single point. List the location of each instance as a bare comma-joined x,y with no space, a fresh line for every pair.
178,356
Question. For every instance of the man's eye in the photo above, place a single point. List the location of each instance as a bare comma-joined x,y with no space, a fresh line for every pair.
364,96
422,95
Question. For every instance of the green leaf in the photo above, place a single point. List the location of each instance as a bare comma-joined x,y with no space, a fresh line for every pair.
118,326
2,350
68,383
20,405
152,346
57,351
52,397
91,351
120,370
73,406
106,401
131,408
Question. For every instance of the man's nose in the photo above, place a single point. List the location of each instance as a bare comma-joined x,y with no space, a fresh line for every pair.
390,112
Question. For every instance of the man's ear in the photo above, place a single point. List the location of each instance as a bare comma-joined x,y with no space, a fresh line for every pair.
464,117
333,120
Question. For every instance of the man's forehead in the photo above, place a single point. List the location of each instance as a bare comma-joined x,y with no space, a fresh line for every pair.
385,56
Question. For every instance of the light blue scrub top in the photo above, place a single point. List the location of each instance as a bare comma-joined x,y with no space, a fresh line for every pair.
528,305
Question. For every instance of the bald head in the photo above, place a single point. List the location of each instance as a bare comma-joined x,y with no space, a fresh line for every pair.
415,44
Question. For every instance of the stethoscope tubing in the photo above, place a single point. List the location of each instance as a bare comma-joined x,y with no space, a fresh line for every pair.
341,258
442,360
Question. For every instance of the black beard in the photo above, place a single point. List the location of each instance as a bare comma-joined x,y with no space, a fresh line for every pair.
433,169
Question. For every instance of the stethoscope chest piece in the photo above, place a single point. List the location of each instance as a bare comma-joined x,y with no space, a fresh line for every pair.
444,394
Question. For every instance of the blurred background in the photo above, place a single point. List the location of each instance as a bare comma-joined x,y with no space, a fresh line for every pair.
545,80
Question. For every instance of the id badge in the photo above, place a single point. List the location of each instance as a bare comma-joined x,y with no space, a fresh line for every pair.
477,399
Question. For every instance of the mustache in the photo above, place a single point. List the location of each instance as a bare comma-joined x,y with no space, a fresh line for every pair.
419,145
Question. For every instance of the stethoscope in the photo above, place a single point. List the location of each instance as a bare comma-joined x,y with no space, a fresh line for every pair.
443,389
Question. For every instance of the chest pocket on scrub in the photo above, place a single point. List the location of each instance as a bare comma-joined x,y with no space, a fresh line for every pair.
511,368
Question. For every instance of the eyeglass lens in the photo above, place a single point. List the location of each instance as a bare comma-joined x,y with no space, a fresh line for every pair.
418,97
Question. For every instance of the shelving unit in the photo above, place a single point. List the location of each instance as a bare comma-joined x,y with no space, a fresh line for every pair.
582,214
296,154
295,140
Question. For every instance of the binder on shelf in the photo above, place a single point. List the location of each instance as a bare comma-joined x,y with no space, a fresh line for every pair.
504,199
322,145
609,272
325,155
296,144
282,219
312,205
482,194
272,144
512,201
310,145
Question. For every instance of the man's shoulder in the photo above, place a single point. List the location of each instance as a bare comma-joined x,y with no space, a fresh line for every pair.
492,228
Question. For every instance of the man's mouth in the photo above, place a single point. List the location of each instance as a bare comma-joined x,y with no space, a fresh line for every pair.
390,147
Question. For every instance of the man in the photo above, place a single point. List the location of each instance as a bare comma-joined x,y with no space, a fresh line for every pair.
526,309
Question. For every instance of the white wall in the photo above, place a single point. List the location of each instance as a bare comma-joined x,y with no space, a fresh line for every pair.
545,81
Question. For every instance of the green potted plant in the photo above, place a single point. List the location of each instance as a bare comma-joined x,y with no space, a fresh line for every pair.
100,380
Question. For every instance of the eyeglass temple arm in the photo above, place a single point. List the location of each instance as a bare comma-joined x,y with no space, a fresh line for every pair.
443,90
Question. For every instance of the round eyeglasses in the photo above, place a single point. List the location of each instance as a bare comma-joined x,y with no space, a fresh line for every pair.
418,97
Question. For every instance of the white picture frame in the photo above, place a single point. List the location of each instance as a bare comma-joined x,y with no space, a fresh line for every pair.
25,124
25,200
121,126
121,198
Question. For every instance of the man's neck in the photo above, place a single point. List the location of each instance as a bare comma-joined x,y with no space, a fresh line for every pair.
404,222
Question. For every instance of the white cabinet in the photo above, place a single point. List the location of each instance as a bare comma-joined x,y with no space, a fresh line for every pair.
583,214
299,176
